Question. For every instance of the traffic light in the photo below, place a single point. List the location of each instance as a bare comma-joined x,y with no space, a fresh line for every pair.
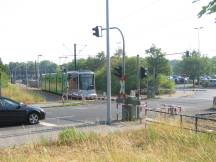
118,71
97,31
64,70
187,53
143,72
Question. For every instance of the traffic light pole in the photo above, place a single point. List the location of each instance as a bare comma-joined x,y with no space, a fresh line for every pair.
123,54
108,67
109,118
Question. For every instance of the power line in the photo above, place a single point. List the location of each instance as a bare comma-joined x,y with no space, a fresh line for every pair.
139,10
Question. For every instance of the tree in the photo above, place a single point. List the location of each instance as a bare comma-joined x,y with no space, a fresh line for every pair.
195,66
157,65
208,9
4,74
176,67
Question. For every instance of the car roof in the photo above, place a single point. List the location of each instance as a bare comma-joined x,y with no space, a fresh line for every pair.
1,97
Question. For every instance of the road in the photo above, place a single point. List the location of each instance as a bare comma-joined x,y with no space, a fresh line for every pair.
199,102
59,117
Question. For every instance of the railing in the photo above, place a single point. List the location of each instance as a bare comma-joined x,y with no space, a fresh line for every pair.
195,123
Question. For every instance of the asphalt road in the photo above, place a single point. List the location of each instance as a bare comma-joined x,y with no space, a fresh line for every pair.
59,117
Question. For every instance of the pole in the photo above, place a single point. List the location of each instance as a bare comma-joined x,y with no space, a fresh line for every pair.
138,77
108,66
26,76
75,64
38,71
0,85
123,57
154,79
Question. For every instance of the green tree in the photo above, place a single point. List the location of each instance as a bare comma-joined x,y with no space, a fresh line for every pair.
157,65
4,74
195,66
176,67
213,65
208,9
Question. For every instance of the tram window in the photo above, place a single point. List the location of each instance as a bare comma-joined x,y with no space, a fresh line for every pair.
86,81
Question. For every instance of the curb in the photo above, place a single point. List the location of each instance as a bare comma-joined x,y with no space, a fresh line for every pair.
58,105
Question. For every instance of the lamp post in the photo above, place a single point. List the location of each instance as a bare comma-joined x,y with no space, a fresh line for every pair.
38,70
198,37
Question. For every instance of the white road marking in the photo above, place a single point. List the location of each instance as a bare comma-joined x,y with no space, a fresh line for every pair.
61,117
48,124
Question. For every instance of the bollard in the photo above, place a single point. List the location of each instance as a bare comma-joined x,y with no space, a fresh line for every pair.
181,123
214,102
196,123
117,115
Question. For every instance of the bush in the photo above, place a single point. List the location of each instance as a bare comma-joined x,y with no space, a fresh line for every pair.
70,135
22,95
166,85
4,79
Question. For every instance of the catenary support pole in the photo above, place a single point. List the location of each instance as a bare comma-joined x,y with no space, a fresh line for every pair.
75,64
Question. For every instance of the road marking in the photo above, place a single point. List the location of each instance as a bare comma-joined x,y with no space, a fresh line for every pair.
61,117
48,124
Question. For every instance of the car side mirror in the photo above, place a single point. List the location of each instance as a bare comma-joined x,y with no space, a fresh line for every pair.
20,105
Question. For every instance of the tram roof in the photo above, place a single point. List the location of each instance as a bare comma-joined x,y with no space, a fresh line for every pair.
73,72
81,72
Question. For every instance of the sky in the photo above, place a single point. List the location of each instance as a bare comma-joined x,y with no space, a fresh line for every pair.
50,28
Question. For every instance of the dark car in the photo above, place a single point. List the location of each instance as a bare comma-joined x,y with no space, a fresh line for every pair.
15,112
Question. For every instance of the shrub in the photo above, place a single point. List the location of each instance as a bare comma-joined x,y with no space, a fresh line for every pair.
70,135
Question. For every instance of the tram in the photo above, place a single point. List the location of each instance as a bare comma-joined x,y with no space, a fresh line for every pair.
75,84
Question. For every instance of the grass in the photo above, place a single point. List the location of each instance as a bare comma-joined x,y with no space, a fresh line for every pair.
157,143
21,94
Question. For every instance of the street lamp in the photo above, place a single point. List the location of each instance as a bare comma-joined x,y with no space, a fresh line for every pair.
198,31
38,70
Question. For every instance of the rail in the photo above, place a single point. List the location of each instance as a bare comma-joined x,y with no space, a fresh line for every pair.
195,123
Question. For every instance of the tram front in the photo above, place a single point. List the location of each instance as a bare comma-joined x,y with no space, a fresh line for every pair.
87,85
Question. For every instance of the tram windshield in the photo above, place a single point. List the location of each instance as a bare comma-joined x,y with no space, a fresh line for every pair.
86,81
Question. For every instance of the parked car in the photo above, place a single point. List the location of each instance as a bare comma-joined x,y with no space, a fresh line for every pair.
15,112
179,79
212,82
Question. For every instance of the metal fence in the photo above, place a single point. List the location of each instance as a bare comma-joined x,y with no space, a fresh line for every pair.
172,117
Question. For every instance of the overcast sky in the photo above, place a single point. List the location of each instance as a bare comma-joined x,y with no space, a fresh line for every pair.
32,27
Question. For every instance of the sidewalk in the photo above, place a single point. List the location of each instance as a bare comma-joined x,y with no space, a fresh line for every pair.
26,136
58,104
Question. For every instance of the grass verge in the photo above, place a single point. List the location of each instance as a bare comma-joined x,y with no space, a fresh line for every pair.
21,94
157,143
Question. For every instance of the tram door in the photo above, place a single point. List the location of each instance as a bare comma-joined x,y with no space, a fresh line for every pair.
73,82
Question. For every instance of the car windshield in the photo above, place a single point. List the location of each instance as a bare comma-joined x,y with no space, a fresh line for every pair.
86,81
